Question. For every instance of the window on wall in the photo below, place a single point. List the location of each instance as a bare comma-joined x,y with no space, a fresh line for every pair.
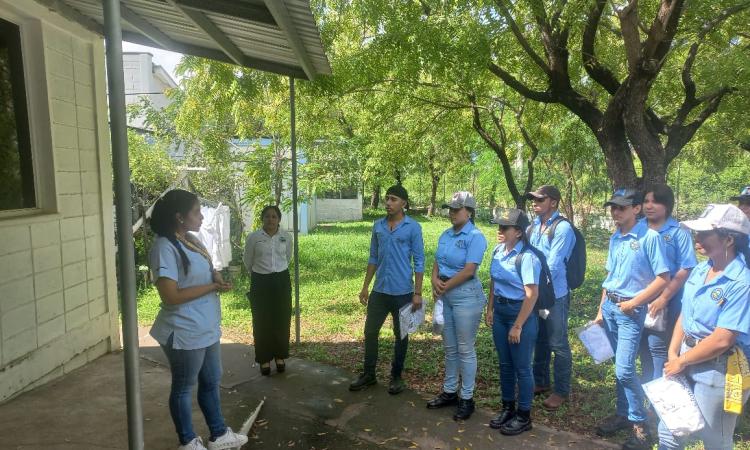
16,167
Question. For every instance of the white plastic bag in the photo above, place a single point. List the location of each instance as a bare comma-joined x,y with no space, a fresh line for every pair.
437,317
594,338
409,321
657,322
675,404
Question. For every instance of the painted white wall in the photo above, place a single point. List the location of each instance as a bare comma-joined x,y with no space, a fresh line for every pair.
338,210
58,307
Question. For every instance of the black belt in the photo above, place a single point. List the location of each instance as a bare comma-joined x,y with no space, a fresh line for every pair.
444,278
614,298
506,301
690,341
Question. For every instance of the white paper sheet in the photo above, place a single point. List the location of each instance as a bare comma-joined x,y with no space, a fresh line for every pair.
594,338
657,322
409,321
675,404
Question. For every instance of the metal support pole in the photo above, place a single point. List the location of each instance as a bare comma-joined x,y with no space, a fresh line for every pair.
295,217
125,254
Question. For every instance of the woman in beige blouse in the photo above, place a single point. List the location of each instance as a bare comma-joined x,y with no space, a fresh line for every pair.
266,257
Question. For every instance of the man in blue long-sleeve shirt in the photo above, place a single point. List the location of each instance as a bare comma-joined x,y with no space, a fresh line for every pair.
396,252
556,239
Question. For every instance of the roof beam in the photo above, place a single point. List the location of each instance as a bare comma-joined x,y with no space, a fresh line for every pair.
203,52
232,8
73,15
146,28
282,17
204,23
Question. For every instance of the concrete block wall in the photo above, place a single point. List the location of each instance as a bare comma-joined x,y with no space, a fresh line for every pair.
338,210
58,303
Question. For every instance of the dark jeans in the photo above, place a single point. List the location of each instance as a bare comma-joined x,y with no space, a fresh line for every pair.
553,338
271,304
515,359
201,366
378,308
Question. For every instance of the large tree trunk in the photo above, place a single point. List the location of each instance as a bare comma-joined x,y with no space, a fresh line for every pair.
433,194
375,197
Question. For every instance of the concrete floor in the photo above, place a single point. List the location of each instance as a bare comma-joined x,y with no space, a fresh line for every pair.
307,407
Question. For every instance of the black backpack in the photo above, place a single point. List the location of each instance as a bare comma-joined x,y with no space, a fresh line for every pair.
546,298
575,265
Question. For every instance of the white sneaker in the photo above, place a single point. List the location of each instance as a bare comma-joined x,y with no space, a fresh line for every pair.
195,444
230,439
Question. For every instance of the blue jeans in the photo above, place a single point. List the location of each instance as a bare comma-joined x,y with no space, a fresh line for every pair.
553,338
201,366
624,332
707,381
515,359
654,345
462,309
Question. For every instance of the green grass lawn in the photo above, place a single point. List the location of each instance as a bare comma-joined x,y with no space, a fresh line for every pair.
332,263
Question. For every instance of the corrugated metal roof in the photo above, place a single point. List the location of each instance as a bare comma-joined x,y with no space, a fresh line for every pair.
278,36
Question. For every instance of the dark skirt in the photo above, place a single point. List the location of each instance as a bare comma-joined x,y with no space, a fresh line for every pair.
270,299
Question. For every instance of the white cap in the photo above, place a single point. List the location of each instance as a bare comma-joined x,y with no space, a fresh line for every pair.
728,217
461,199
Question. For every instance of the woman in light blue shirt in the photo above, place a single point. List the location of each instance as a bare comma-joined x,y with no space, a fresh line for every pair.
188,324
510,313
454,279
715,320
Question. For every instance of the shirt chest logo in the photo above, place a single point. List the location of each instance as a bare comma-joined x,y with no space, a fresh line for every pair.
667,238
635,245
717,295
461,243
282,239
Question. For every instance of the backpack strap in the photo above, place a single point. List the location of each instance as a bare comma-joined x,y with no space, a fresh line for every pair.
519,260
553,227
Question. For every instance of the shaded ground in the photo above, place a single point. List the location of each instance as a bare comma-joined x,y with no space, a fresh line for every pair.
308,407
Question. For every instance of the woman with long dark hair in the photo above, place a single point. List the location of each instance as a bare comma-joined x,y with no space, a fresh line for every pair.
711,334
188,324
267,255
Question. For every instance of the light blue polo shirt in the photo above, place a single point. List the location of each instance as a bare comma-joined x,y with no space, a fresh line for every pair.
393,253
456,249
197,323
678,246
634,260
722,302
557,251
506,282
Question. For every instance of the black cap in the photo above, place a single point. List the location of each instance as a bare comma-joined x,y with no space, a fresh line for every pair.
543,192
511,217
625,197
399,191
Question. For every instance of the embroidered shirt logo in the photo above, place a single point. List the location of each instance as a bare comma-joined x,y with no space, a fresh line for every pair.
717,295
667,238
635,245
461,243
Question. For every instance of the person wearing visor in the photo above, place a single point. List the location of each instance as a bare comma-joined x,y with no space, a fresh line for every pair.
743,201
711,335
510,313
658,205
553,331
397,263
454,279
637,272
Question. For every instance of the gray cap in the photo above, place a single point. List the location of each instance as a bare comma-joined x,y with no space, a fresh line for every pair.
744,194
625,197
728,217
511,217
461,199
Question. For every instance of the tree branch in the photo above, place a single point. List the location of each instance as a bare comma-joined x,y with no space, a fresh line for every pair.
679,135
591,63
630,35
521,38
510,80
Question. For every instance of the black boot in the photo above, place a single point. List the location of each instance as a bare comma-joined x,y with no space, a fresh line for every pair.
364,380
506,414
443,400
520,423
465,409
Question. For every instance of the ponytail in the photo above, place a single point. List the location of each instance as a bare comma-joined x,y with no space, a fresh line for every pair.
164,218
741,247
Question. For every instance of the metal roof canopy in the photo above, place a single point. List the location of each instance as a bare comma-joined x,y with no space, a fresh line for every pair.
278,36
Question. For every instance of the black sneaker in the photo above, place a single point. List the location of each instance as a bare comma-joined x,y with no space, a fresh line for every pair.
506,414
443,400
465,409
396,386
364,380
611,425
640,439
518,424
